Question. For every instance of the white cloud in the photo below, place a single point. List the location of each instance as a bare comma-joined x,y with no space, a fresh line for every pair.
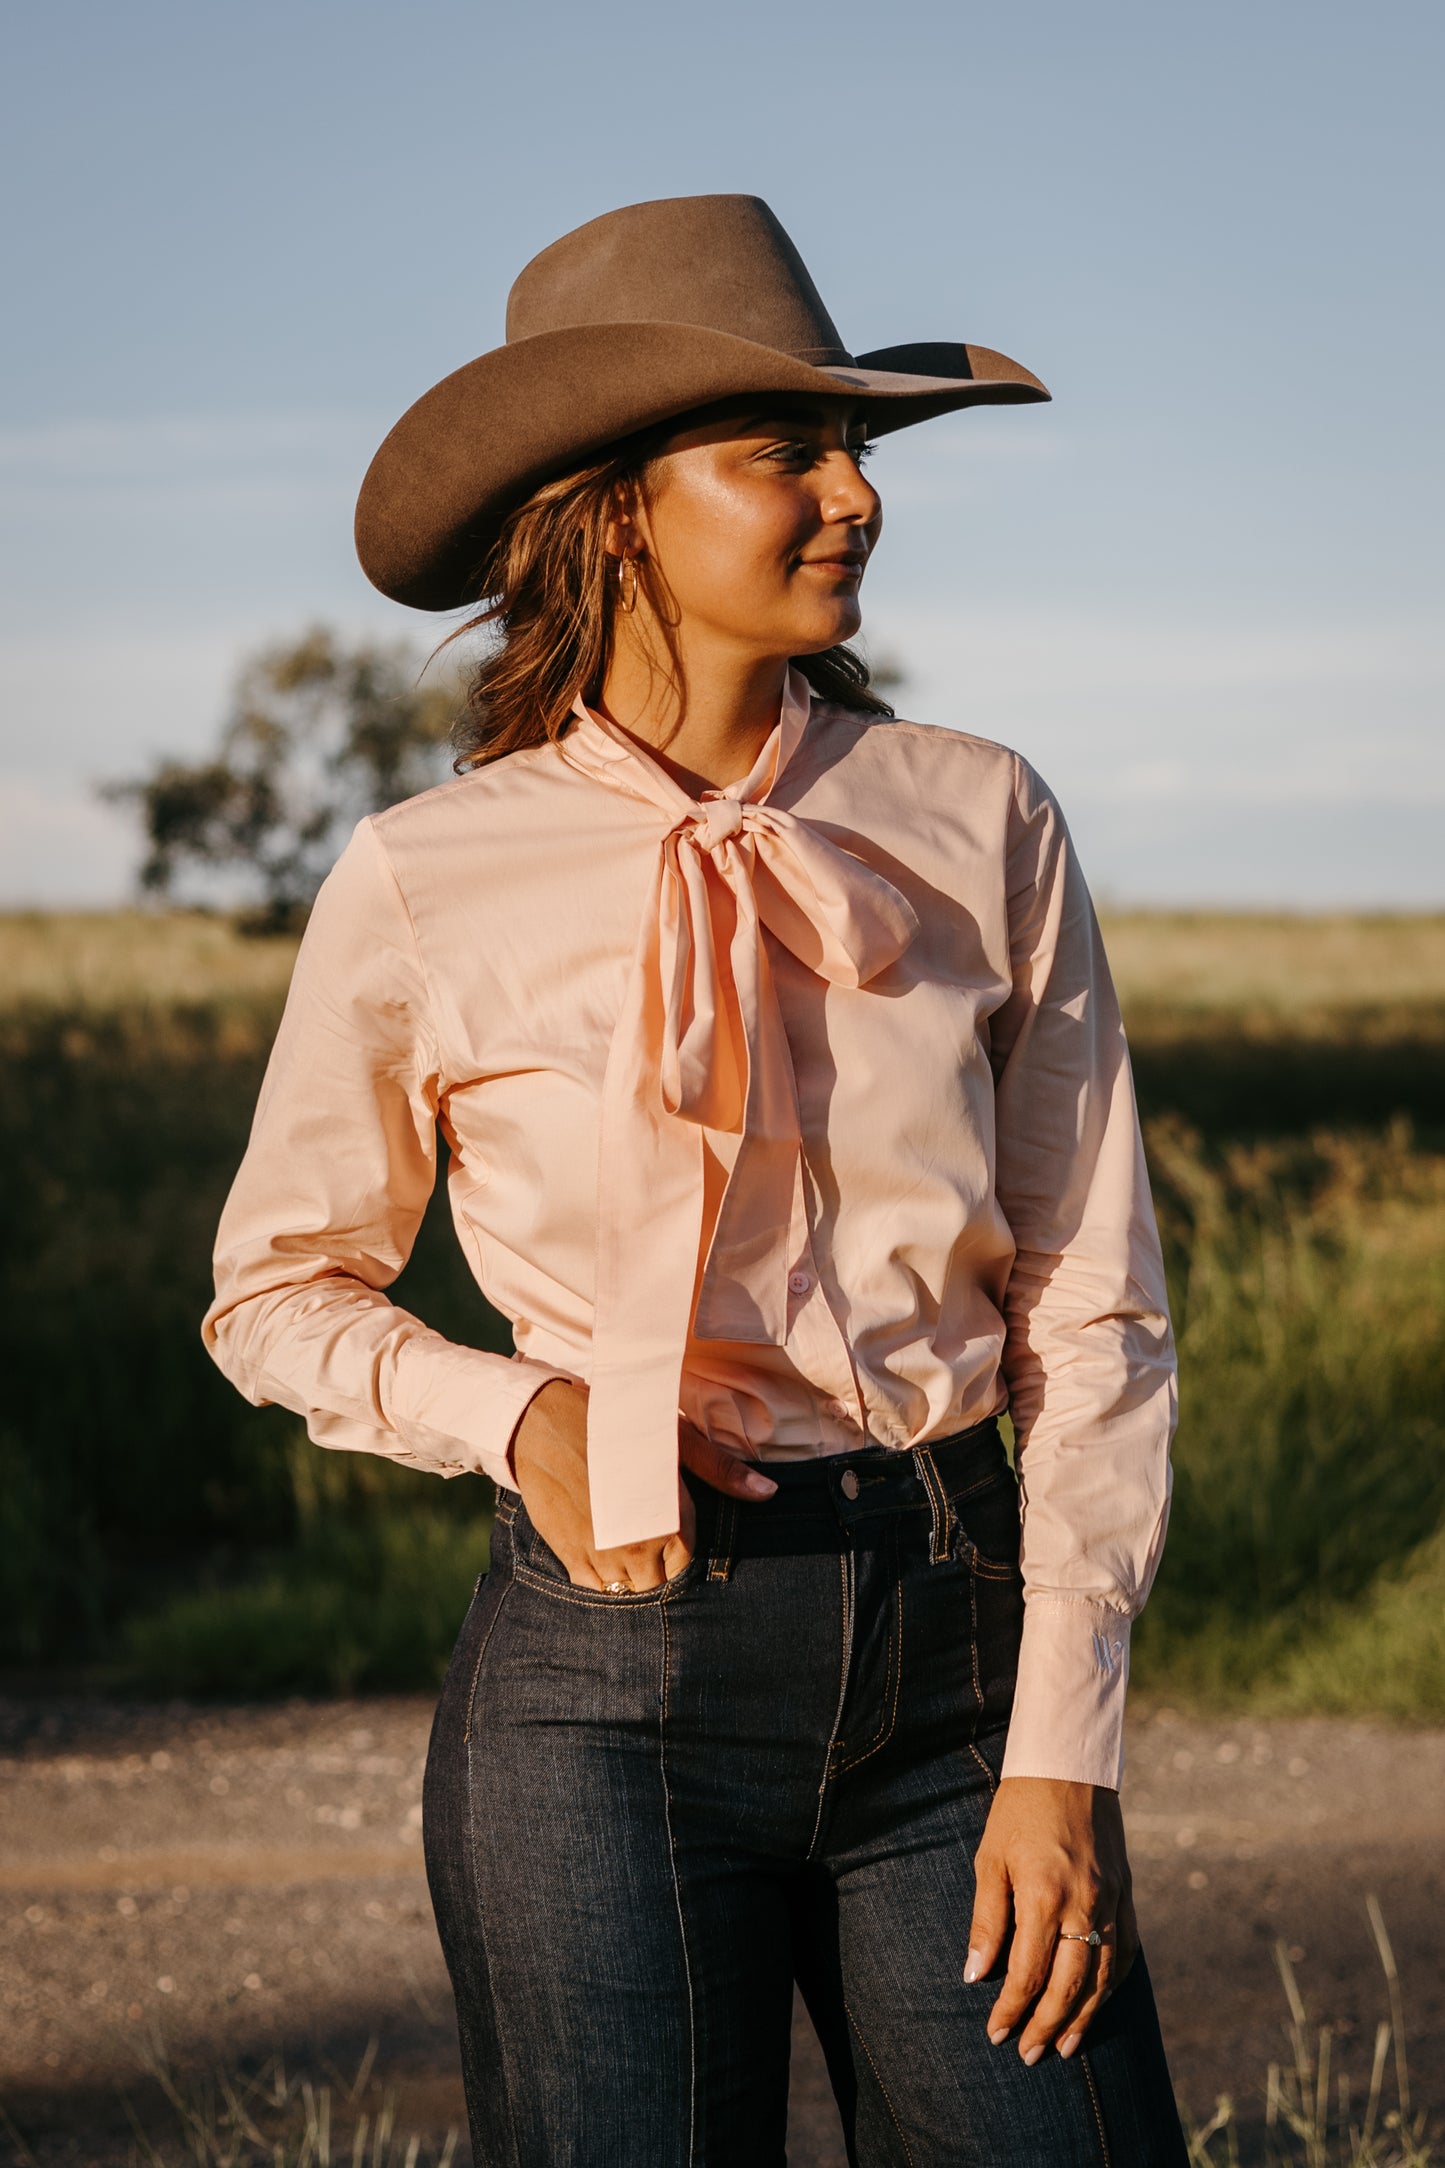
1259,749
60,848
92,706
166,447
94,703
1160,711
1029,653
192,521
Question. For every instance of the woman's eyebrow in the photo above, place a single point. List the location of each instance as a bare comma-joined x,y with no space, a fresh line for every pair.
783,424
803,418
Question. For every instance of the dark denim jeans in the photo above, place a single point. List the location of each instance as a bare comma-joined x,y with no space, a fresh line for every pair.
647,1815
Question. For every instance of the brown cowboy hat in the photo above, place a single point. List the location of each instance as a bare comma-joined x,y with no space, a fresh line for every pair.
638,316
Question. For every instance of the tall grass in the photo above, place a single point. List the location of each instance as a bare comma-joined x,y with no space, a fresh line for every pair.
1292,1075
127,1465
1306,1564
366,1597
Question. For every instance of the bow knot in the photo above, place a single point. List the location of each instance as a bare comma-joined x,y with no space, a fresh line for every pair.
717,819
699,1049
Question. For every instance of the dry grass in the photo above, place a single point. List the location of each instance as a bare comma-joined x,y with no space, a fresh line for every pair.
1316,2111
1276,961
101,961
1180,959
1317,2114
269,2116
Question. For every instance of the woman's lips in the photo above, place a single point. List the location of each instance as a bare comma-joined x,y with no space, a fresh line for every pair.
843,568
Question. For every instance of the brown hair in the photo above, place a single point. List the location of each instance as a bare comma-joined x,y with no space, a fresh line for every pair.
548,592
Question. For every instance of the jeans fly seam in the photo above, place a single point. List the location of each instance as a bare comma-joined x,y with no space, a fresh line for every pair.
878,2079
845,1563
895,1668
938,1514
720,1565
677,1888
1096,2104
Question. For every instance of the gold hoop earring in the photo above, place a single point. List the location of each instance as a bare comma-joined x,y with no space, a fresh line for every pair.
627,584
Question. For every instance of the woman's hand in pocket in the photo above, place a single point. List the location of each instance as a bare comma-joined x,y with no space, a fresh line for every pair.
549,1458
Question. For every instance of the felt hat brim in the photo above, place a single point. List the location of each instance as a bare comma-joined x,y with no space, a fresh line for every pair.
478,443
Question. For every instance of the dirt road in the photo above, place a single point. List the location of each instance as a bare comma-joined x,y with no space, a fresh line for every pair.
230,1881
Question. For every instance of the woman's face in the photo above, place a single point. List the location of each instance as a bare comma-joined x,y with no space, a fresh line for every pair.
757,528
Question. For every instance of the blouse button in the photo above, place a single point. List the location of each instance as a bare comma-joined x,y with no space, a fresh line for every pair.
799,1282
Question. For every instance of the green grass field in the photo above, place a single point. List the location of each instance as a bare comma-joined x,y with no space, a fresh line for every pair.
155,1528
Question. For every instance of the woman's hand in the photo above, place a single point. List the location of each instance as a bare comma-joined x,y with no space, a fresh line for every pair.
549,1457
1052,1859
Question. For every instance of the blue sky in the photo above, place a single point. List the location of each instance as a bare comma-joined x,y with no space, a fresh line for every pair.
1201,590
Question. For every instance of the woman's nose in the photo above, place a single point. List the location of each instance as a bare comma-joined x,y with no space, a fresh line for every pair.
849,494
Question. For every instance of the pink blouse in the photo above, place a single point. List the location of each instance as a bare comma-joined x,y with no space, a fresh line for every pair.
803,1109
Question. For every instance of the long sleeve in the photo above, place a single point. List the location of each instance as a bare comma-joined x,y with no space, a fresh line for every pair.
1089,1356
325,1209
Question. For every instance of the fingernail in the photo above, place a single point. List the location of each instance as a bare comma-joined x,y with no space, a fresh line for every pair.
1031,2056
998,2034
973,1970
1067,2047
760,1485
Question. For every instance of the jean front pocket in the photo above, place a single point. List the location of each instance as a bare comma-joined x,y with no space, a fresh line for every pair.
988,1527
539,1567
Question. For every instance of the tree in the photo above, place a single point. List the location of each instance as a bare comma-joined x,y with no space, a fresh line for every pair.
319,734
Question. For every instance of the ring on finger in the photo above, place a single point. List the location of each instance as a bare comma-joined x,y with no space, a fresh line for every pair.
1095,1937
617,1588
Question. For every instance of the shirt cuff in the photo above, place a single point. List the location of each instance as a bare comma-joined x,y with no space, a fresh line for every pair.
1068,1716
457,1408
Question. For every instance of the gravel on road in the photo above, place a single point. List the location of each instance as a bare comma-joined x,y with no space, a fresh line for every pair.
212,1884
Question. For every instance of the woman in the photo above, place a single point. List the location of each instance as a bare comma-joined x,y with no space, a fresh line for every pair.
791,1124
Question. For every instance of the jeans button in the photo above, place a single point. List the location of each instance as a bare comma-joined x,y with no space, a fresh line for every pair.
849,1483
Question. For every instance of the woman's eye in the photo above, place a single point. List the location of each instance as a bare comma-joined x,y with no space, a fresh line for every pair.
800,453
793,455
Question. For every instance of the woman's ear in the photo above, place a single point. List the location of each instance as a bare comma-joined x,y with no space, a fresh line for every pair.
626,531
617,537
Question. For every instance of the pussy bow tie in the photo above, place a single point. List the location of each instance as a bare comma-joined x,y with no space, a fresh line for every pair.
699,1046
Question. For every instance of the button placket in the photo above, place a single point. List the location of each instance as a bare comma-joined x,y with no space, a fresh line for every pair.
815,1342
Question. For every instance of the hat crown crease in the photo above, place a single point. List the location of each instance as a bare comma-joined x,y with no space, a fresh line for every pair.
716,263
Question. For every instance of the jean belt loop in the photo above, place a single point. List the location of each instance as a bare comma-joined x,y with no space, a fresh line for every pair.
720,1563
939,1510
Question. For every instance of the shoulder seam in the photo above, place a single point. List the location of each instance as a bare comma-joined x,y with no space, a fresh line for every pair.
862,724
471,777
371,820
